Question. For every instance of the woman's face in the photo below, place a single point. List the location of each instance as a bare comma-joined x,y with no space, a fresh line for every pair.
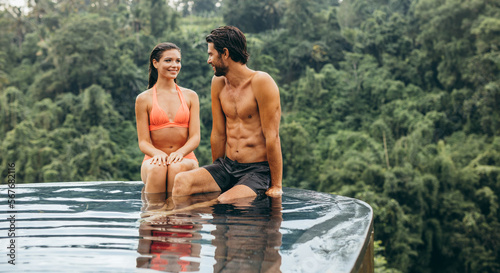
169,64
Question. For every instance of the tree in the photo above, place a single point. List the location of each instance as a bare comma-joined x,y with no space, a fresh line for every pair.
252,16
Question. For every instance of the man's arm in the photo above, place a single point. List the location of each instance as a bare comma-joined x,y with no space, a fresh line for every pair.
268,100
218,136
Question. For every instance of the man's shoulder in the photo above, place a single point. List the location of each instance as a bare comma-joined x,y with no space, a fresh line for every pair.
261,76
218,80
262,81
218,83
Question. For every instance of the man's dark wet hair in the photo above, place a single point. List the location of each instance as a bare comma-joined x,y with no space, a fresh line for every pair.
231,38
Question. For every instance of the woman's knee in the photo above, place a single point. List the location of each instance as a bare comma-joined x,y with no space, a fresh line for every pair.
176,168
153,169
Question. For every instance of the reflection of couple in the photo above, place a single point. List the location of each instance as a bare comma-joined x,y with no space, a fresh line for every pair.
246,149
246,234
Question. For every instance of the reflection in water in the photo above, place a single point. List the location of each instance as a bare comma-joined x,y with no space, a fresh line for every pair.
247,237
245,234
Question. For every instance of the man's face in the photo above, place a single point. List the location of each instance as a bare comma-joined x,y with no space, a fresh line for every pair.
216,61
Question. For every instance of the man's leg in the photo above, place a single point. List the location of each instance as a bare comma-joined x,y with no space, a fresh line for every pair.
256,177
236,192
176,168
195,181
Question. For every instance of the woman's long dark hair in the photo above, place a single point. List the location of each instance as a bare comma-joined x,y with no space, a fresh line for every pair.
156,55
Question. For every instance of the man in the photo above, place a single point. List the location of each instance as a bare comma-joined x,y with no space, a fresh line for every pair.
246,147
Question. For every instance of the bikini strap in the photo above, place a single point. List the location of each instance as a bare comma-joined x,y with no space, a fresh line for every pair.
181,96
155,98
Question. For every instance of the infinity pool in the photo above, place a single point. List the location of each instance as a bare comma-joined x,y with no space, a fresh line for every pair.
111,227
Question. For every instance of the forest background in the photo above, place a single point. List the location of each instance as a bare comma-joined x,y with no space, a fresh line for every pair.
394,102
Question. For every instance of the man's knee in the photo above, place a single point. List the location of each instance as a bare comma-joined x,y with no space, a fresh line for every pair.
224,199
182,184
239,193
183,178
230,199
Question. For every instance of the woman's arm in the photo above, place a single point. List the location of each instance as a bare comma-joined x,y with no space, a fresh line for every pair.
143,135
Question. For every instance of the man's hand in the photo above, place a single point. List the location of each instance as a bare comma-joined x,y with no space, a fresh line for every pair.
274,191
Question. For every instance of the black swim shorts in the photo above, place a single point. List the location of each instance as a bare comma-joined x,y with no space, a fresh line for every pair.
228,173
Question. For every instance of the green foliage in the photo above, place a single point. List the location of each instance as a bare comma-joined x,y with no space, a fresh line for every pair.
298,151
252,16
392,102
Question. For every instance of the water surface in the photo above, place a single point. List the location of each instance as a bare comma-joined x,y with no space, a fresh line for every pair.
111,227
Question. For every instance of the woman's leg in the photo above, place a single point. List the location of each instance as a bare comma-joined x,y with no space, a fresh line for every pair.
175,168
154,177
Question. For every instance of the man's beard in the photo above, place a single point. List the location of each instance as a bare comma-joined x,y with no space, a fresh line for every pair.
220,70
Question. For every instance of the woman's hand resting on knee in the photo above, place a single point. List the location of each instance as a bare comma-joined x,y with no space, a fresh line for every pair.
159,159
174,158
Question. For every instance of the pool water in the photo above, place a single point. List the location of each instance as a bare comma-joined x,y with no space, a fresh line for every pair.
112,227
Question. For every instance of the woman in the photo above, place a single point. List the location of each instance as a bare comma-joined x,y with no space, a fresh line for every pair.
168,122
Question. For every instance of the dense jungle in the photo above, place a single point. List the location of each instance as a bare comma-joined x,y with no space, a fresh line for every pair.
394,102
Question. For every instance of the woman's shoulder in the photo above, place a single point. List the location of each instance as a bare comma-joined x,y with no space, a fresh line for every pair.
188,92
144,96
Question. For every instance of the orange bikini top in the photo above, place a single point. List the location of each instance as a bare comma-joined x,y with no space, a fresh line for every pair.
158,119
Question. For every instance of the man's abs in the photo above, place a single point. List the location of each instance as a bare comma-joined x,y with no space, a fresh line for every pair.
246,146
244,137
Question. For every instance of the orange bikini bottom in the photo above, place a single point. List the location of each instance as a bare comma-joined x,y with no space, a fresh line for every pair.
188,156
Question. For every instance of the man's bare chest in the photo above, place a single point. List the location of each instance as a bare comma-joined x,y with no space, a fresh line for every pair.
238,103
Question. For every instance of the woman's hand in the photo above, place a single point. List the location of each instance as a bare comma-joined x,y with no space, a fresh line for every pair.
160,159
174,158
